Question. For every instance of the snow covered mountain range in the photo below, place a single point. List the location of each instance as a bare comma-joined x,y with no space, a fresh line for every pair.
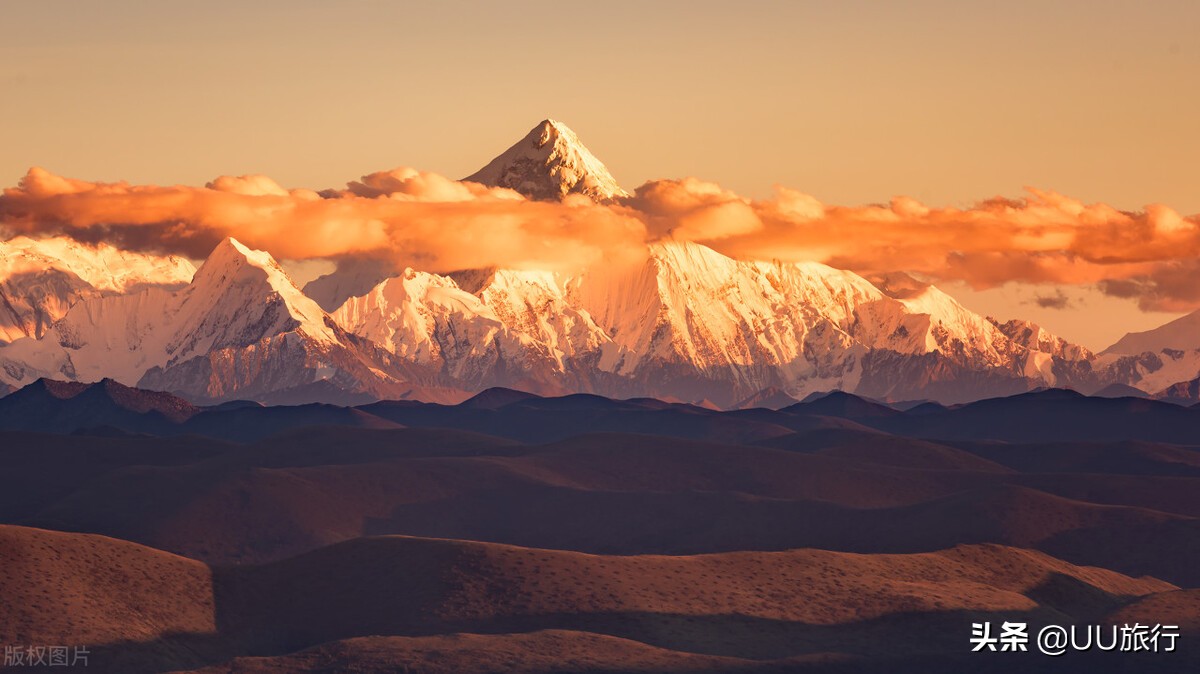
240,329
682,323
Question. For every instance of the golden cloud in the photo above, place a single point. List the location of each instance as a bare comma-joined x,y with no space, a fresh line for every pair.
1043,238
431,222
693,210
416,218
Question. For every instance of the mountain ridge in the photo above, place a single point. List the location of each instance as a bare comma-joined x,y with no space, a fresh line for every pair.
680,322
684,323
52,406
689,323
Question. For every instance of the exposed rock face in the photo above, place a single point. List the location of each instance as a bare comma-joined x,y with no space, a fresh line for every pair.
549,163
1184,392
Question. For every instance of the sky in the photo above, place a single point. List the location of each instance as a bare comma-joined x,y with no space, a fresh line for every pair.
853,103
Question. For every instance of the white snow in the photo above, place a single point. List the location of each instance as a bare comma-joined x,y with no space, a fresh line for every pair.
1183,333
40,279
682,308
238,297
802,326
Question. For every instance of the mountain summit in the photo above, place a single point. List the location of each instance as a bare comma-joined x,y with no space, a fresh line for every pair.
549,163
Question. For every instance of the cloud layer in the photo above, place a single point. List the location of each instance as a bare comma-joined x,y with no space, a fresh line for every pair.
431,222
416,218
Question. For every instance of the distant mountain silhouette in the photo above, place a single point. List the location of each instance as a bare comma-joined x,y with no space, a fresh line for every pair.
1052,414
495,398
1042,416
53,406
1120,391
842,404
771,398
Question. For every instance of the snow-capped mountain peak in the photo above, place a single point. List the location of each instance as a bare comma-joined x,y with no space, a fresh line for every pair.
549,163
237,282
233,262
233,269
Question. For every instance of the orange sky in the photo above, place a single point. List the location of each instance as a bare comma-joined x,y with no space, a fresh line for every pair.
853,103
